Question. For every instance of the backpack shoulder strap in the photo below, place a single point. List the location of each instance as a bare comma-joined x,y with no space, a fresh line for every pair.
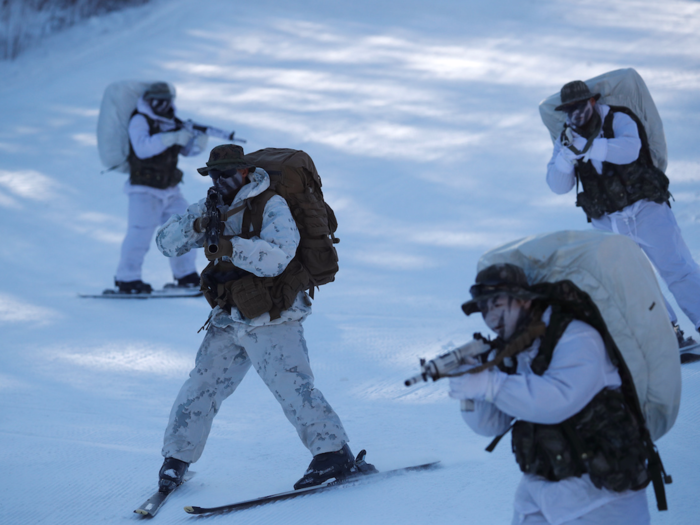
608,132
558,323
645,152
152,126
253,214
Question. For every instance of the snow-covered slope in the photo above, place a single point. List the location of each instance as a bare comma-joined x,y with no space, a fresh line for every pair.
422,120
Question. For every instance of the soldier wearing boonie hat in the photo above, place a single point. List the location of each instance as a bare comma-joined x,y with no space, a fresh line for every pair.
246,327
224,158
605,150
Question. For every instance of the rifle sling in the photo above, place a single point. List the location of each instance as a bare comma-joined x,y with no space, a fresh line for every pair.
497,439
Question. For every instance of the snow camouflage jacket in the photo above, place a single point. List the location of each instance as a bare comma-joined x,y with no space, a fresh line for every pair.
264,256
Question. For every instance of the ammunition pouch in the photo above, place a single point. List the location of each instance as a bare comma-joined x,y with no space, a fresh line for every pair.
214,280
226,285
604,440
251,295
287,286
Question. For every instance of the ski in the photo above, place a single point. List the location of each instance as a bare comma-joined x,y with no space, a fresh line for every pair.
351,480
166,293
152,505
690,353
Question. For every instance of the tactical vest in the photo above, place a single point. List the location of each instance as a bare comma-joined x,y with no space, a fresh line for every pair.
608,438
159,171
225,285
620,185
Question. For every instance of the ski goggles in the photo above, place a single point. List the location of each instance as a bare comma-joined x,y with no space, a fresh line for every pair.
160,105
481,293
219,174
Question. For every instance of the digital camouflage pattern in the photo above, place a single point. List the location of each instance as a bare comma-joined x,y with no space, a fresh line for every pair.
275,348
280,357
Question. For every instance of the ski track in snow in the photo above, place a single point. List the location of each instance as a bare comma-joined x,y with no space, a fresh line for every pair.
422,119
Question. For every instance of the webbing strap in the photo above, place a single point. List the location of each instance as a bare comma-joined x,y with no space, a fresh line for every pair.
253,214
658,477
589,142
492,446
258,210
234,211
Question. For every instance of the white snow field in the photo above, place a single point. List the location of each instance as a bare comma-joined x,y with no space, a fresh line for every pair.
422,119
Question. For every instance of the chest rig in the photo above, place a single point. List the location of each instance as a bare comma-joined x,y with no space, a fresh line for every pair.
620,185
159,171
225,285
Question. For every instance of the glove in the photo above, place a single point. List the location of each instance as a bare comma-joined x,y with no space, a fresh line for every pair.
579,142
566,160
180,137
483,386
598,150
200,224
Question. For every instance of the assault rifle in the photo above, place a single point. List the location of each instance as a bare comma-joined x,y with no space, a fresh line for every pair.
196,128
213,220
446,364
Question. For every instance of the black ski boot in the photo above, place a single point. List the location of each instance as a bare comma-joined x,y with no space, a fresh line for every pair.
171,474
326,466
191,280
682,340
133,286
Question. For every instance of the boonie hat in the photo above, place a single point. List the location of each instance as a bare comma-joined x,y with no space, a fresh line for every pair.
573,92
226,157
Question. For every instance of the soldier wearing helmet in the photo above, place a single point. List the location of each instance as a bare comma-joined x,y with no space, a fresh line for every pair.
579,445
156,140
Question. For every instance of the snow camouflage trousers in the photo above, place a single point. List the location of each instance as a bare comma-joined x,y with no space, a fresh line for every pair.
279,354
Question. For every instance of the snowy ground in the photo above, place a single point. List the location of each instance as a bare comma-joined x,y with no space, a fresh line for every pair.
422,119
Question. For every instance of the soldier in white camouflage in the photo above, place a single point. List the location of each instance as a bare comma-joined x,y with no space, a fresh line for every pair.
273,343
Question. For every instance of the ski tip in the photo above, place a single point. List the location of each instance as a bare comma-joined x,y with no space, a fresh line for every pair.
190,510
142,512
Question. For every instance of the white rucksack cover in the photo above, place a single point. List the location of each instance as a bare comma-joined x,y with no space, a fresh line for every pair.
118,103
622,87
614,271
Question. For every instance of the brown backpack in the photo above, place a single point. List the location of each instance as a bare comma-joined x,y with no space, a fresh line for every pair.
293,176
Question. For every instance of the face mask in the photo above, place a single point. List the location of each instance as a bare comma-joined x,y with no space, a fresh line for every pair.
580,113
227,182
162,107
